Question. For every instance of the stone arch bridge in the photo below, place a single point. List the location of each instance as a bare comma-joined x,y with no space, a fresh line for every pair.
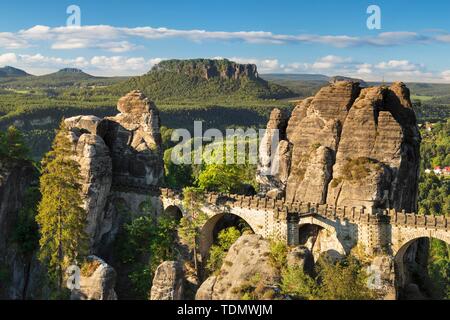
384,236
377,232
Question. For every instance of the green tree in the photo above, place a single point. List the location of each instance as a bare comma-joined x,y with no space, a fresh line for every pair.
192,223
12,144
176,176
344,280
296,283
218,251
341,280
26,232
61,218
225,178
144,245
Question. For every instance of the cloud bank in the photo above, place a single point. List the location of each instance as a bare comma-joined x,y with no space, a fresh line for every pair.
120,39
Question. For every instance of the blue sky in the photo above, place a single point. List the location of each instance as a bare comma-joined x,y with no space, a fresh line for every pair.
291,36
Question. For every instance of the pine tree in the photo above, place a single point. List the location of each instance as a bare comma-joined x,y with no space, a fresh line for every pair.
61,218
12,144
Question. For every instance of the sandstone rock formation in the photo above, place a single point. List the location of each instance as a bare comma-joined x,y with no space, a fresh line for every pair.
98,284
247,263
120,159
301,257
208,69
382,276
274,156
168,282
15,178
134,140
352,147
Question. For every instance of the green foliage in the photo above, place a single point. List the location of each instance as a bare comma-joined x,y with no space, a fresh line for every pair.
218,251
184,81
342,280
278,254
26,233
359,168
255,289
176,176
439,268
61,218
191,224
295,283
144,245
12,145
434,198
224,178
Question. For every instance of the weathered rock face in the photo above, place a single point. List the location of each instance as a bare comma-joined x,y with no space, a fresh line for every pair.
247,263
302,257
121,152
168,282
96,171
274,156
99,284
208,69
134,140
321,243
15,178
354,147
382,276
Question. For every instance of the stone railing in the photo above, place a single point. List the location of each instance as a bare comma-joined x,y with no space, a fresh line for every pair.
414,220
352,214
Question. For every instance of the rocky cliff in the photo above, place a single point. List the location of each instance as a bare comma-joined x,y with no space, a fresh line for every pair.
15,268
208,69
350,146
120,159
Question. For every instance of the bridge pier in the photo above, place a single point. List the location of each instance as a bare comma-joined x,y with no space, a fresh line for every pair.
293,230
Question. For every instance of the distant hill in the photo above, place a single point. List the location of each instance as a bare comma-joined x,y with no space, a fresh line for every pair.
296,77
12,72
306,85
342,78
204,81
68,77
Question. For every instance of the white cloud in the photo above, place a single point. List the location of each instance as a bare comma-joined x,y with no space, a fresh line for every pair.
11,41
446,75
97,65
117,65
264,65
8,59
118,39
398,65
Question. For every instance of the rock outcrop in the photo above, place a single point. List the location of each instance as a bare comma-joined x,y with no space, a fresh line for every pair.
301,257
134,140
246,264
168,283
208,69
274,156
97,281
120,159
16,269
352,147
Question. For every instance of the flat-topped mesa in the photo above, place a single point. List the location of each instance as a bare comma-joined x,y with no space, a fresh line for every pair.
355,147
208,69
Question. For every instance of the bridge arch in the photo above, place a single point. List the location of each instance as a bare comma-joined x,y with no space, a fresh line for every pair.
411,265
214,225
320,238
174,212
